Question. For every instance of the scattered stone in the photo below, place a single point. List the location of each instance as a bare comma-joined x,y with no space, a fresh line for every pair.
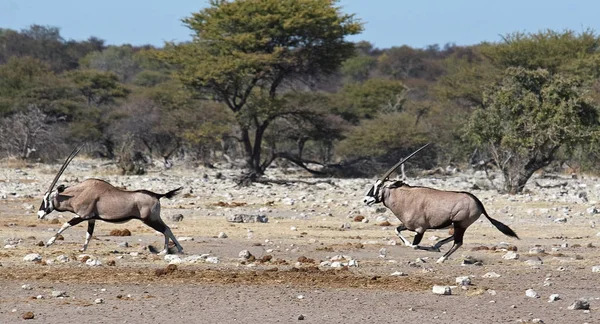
93,262
293,228
111,263
463,281
185,238
245,254
99,301
173,259
537,320
301,317
537,250
534,262
28,316
62,258
442,290
246,218
596,268
580,304
59,293
511,255
382,252
123,244
491,275
33,257
345,227
592,210
359,218
469,260
561,220
26,287
532,293
222,235
175,218
380,210
553,298
398,274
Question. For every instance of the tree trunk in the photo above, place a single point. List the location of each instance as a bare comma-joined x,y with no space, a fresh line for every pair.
515,181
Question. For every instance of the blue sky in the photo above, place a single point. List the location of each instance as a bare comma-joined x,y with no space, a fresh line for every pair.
388,23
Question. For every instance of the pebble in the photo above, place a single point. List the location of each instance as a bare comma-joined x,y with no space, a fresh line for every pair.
580,304
491,275
33,257
442,290
532,293
553,298
511,255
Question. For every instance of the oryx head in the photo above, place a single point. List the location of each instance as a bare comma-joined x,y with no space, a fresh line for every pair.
375,194
47,205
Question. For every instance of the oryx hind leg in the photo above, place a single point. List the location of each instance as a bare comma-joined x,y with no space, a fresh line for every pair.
459,233
157,224
74,221
88,234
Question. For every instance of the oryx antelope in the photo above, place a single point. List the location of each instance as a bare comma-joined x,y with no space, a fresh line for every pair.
421,208
95,199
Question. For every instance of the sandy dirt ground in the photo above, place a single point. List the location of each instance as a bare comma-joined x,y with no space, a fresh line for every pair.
308,224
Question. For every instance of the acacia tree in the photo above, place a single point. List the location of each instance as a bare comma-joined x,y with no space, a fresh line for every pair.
247,53
527,117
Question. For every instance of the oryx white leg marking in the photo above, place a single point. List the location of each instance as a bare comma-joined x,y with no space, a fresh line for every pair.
74,221
88,234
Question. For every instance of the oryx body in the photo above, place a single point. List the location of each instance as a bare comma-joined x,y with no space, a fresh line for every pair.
95,199
422,208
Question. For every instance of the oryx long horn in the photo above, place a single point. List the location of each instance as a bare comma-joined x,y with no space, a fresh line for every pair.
64,166
387,174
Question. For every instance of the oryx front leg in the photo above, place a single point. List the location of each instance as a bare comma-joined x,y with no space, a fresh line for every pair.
74,221
88,234
404,240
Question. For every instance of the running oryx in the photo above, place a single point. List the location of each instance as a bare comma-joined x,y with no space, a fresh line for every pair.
95,199
421,208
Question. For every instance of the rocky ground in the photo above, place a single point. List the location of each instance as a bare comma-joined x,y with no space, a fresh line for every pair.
320,257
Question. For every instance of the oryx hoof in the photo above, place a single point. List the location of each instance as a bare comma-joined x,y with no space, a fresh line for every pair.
441,260
163,252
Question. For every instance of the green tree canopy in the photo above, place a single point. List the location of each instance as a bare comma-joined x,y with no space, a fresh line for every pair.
247,53
527,117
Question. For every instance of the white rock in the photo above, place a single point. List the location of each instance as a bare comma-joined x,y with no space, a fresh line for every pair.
398,274
491,275
222,235
463,281
32,257
561,220
553,298
185,238
93,262
511,255
26,287
536,250
596,268
293,228
173,259
534,262
212,259
442,290
99,301
244,254
579,304
532,293
59,293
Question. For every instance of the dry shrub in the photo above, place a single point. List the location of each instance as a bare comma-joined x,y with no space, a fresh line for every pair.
119,232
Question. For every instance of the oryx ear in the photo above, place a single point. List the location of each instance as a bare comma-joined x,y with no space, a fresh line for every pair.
60,188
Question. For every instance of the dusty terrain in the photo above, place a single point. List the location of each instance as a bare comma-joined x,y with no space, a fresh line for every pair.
308,223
